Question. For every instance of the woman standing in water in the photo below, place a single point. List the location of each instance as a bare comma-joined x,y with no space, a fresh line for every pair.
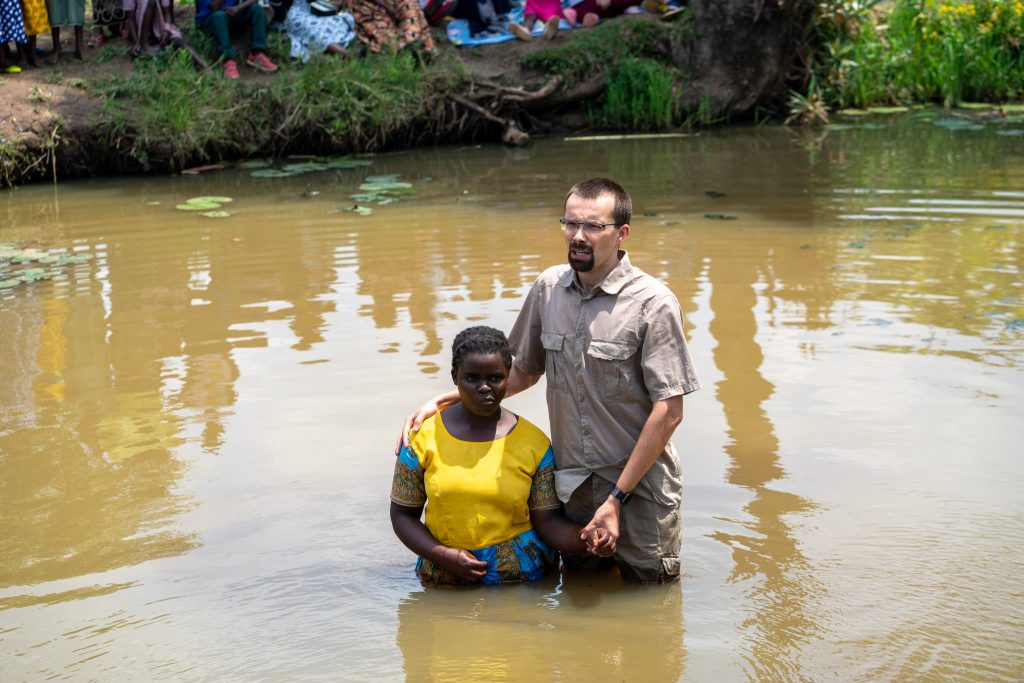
486,476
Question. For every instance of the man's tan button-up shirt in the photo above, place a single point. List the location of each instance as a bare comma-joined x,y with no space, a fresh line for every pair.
608,355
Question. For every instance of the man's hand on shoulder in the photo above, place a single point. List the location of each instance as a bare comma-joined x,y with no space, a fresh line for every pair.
415,419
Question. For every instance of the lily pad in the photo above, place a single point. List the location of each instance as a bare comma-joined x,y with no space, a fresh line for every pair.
304,167
388,178
204,200
1015,324
217,214
71,259
271,173
345,162
198,206
957,124
720,216
1010,132
360,210
381,186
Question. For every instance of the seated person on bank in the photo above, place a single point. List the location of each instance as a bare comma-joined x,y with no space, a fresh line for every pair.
223,18
486,476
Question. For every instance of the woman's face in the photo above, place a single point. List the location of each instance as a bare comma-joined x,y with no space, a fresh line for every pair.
482,380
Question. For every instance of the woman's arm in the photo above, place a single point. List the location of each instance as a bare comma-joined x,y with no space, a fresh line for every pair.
561,533
462,564
557,531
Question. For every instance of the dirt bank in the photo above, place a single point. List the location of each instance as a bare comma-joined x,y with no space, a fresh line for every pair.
108,114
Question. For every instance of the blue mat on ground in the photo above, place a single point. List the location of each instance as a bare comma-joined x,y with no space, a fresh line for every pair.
458,31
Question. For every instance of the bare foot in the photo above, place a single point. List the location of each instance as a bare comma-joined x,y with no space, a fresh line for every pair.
54,56
590,20
570,15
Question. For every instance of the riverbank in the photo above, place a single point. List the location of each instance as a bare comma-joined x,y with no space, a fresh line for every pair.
111,114
717,61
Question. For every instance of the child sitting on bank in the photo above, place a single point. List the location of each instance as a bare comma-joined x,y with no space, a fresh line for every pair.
486,477
549,12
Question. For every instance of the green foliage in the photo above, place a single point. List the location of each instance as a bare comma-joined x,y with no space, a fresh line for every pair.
597,49
166,105
640,95
944,51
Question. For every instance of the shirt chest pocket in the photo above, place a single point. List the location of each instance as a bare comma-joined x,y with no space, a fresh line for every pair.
555,366
616,368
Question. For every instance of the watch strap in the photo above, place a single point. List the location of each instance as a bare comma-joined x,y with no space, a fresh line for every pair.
620,495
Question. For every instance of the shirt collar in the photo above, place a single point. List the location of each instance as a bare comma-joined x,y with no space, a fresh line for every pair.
613,282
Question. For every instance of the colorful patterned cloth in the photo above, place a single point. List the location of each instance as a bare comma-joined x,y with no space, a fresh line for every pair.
12,26
478,497
37,21
376,29
310,34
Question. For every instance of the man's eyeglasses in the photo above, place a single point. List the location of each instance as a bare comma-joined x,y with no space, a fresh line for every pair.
589,227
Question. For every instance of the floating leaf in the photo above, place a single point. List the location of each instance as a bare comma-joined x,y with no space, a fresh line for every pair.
857,245
714,195
389,178
71,259
365,197
7,284
1015,324
153,203
1010,133
386,200
720,216
198,207
206,200
887,110
345,162
670,222
381,186
957,124
217,214
271,173
305,167
360,210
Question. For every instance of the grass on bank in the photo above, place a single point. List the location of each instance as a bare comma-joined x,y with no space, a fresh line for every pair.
642,85
166,109
920,51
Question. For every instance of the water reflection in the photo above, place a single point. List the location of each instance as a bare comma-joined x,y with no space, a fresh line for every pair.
156,402
544,632
766,555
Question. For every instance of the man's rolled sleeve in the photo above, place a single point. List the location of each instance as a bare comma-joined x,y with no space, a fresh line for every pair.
667,366
524,339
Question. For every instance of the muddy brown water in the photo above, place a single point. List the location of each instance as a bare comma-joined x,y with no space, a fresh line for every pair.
197,424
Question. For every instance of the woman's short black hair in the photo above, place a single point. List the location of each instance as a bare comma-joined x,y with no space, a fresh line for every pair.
480,339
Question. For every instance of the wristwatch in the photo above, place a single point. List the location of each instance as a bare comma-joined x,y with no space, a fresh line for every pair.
620,495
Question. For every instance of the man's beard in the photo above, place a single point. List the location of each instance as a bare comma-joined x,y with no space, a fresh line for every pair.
581,265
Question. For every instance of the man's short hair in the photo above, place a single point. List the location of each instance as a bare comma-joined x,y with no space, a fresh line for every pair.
595,187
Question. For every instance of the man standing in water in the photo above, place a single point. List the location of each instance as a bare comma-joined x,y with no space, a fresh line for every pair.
609,337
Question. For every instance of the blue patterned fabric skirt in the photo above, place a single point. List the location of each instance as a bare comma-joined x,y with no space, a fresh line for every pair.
522,558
